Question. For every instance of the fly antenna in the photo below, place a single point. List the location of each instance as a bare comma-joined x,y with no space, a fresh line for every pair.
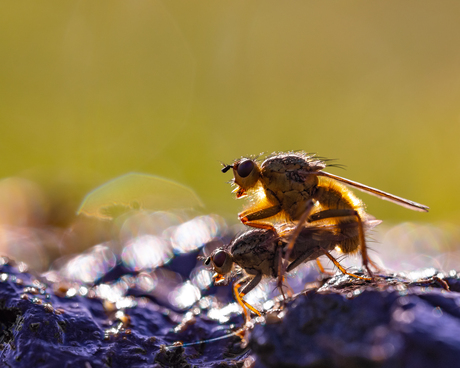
226,167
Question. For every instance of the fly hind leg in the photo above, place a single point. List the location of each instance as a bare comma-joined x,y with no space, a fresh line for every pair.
343,270
333,213
293,238
307,254
321,268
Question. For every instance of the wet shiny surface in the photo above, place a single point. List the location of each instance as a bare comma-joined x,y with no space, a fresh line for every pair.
61,324
145,297
120,323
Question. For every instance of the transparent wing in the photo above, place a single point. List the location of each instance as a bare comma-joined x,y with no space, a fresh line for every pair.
378,193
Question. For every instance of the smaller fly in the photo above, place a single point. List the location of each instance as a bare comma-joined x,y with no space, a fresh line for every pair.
262,252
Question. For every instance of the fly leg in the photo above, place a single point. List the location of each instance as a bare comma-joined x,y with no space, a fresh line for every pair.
307,254
294,236
343,270
373,264
278,264
439,281
246,289
321,268
251,218
362,241
299,260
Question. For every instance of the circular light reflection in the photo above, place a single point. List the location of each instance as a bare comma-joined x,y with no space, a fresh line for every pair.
417,245
111,292
89,266
201,277
184,296
25,244
146,252
137,191
145,282
153,223
195,233
259,294
223,314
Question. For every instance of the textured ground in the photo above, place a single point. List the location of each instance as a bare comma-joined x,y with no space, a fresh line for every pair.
345,323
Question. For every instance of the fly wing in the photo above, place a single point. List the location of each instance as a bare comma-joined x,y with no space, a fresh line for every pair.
378,193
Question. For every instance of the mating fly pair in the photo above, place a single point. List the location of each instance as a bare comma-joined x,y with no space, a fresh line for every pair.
292,189
261,252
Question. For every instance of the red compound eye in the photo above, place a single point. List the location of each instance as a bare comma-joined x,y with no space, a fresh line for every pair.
245,168
219,258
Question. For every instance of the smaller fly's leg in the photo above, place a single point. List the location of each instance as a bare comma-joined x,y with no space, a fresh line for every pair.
246,289
294,236
240,301
299,260
439,281
251,284
373,264
251,218
321,268
343,270
344,213
278,264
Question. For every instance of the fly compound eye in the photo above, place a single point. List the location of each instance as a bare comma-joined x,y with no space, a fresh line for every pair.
219,258
222,262
245,168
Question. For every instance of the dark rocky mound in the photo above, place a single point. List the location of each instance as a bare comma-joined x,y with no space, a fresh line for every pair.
345,323
375,329
42,328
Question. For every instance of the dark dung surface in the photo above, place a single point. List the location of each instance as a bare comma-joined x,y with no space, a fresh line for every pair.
41,329
415,326
345,323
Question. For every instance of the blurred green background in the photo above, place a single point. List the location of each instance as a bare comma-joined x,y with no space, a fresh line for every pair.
92,90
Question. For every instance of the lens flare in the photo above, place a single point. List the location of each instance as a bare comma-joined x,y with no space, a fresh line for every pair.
223,314
91,265
136,191
146,252
145,281
201,277
193,234
184,296
149,223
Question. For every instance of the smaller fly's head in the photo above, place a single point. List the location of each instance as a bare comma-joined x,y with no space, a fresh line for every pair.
246,174
221,262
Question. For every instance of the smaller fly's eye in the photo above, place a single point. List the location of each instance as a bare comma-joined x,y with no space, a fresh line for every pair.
245,168
219,258
207,261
